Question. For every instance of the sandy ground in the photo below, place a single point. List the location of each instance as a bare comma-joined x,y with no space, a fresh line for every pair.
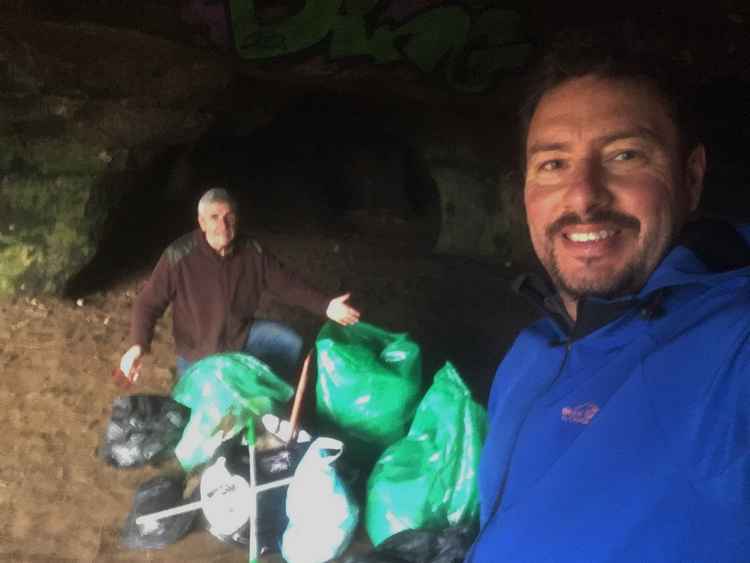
59,502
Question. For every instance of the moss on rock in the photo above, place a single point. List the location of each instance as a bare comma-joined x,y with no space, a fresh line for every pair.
50,155
50,230
15,259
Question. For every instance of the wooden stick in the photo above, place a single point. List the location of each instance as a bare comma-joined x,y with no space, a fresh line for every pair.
297,406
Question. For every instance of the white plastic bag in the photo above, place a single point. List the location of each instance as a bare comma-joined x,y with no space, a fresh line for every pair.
322,514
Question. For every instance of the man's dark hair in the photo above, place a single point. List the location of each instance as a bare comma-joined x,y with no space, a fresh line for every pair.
604,55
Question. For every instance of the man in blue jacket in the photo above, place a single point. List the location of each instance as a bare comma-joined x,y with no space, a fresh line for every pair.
620,423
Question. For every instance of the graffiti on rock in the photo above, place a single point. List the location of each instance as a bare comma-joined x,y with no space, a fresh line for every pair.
466,43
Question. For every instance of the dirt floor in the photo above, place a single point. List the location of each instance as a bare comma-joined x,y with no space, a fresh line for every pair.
60,502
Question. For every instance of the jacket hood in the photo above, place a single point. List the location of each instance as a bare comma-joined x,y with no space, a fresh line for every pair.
707,253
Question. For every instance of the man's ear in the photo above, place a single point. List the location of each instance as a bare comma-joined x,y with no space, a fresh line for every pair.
695,170
201,223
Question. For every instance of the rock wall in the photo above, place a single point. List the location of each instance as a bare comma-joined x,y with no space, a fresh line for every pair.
482,215
82,110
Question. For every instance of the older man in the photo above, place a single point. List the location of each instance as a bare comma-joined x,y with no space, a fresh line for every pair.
620,423
214,278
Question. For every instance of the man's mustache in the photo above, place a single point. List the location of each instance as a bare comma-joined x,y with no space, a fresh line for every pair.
603,216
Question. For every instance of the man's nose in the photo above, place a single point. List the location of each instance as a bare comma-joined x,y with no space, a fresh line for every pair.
587,189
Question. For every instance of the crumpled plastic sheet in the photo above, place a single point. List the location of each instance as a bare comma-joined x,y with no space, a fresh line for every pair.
142,429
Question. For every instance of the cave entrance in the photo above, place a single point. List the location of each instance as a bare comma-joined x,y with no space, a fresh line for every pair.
325,163
325,160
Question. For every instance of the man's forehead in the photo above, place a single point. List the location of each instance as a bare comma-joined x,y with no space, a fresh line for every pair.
595,107
218,207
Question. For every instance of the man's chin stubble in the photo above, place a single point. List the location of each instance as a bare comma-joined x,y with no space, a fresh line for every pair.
620,284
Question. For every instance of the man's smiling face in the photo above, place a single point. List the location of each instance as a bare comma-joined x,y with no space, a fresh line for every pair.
607,186
218,221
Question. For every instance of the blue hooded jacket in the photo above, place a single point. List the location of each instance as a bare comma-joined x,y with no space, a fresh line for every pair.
629,440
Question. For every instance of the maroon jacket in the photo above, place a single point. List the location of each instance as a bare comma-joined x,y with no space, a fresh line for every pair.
214,298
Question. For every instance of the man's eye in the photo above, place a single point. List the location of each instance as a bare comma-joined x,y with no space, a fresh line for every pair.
550,165
626,155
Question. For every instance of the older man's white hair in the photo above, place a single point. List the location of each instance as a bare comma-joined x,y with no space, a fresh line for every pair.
215,195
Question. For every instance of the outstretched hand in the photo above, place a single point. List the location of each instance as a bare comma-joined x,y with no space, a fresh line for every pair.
339,311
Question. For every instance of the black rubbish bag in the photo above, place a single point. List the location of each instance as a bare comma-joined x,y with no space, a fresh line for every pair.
157,494
143,429
449,545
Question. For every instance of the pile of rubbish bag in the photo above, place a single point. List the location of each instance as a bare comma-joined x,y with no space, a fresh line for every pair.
426,446
214,408
385,451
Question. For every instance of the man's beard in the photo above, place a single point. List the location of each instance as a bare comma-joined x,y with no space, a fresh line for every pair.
625,282
628,280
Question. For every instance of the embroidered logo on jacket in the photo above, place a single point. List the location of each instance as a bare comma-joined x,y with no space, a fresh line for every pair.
581,414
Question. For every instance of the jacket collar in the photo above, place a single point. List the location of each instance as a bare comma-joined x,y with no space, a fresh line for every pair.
704,249
206,248
592,313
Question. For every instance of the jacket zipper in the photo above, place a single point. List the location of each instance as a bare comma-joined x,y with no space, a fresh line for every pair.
227,306
498,498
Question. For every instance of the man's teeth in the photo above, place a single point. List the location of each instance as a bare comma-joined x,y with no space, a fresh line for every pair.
586,237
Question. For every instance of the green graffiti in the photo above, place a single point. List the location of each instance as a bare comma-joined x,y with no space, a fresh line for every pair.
298,32
469,50
436,34
360,7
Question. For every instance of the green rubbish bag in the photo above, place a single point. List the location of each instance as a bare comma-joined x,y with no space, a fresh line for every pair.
369,383
428,479
222,392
